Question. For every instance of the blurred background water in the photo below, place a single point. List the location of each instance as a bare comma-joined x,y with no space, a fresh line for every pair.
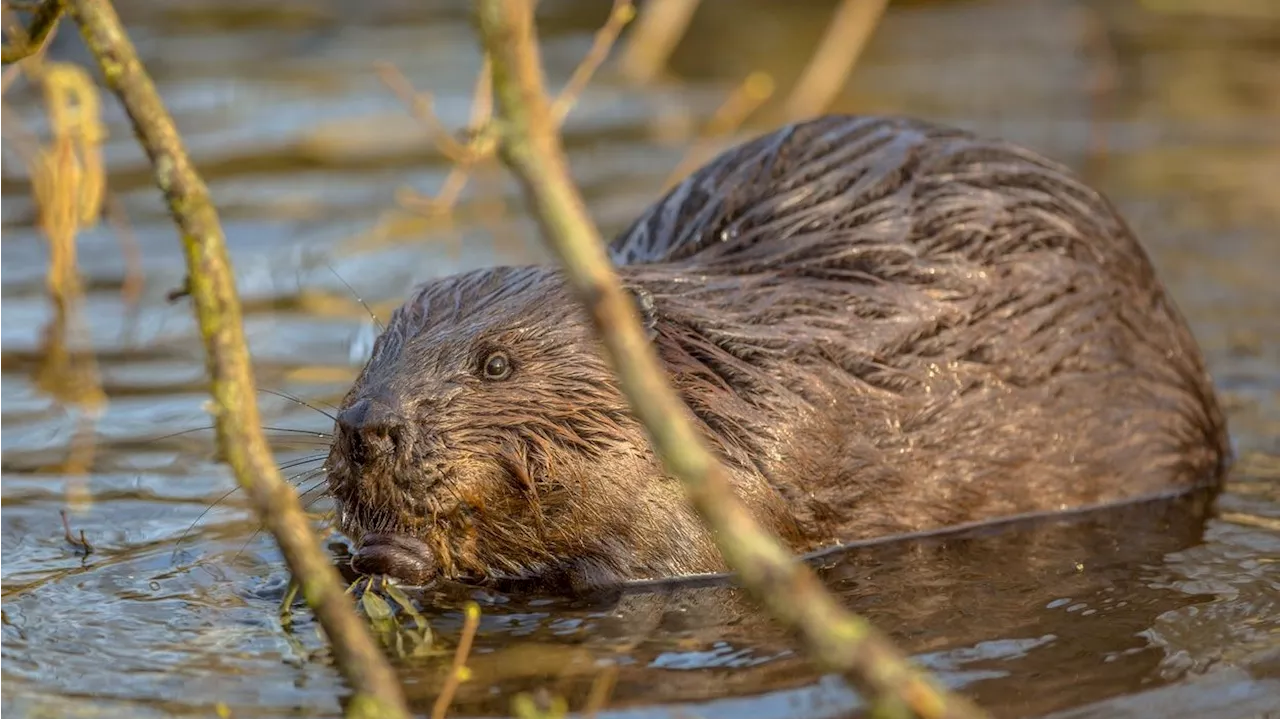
1170,107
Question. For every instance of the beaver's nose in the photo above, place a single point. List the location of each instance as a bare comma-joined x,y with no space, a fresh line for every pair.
371,430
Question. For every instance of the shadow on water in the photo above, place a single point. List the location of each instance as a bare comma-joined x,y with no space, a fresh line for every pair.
1153,609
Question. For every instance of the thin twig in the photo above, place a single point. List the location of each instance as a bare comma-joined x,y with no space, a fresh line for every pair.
134,279
478,148
843,42
42,23
372,315
531,147
745,99
217,306
658,31
1102,86
422,105
601,689
82,543
458,670
621,14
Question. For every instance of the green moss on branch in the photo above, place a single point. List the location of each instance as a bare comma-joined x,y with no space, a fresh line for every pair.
530,145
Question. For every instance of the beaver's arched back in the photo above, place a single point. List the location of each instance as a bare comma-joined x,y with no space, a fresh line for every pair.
936,188
993,270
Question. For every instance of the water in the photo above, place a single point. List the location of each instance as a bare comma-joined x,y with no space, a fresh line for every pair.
1150,610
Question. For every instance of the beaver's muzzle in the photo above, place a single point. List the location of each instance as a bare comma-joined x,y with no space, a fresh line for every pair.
398,556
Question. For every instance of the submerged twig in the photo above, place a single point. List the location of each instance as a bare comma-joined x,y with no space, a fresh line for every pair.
601,689
530,145
217,306
82,543
286,604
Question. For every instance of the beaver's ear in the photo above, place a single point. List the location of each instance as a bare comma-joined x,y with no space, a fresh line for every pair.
647,309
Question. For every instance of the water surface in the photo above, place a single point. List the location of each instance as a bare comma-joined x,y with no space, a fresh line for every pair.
1161,609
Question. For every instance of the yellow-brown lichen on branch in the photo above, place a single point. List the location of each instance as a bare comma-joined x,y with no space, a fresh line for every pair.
217,305
530,145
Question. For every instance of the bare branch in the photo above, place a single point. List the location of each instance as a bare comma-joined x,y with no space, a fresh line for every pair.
42,23
843,42
657,33
530,145
622,13
744,100
422,106
478,148
217,307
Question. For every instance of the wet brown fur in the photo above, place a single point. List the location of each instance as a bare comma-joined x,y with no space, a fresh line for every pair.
881,325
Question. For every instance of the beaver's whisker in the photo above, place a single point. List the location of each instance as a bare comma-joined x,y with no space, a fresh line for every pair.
375,519
377,322
299,400
314,433
300,478
306,475
223,497
303,477
291,464
450,486
179,434
248,541
178,545
318,488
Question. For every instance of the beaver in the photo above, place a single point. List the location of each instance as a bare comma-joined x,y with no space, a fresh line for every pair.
880,325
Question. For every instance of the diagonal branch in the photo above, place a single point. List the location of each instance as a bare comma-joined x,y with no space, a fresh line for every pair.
531,147
621,14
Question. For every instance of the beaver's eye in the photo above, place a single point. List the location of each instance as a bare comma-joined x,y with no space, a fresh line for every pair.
497,366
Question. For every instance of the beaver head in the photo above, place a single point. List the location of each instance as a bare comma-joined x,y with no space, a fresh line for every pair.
487,440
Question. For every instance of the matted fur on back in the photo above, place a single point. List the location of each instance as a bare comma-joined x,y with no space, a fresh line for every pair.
956,326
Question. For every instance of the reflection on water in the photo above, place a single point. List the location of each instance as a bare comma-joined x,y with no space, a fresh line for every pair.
1021,615
1147,610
